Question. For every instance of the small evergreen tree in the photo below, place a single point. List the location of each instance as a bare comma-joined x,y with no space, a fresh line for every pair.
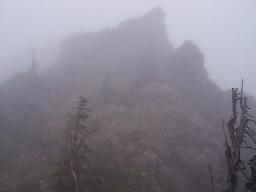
79,169
70,169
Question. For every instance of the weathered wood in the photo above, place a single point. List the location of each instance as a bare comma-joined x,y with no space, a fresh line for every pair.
238,129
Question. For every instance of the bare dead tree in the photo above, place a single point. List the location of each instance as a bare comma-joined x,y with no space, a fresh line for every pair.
238,129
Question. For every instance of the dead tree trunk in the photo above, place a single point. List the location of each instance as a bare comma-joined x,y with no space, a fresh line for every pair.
238,129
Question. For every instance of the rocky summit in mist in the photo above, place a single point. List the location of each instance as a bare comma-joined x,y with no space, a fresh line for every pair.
152,101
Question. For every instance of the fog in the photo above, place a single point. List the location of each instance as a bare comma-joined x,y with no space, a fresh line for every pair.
224,31
127,95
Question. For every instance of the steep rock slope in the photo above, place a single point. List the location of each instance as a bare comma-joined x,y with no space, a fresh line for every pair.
153,101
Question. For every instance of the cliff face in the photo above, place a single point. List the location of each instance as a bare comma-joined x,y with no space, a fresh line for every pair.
152,100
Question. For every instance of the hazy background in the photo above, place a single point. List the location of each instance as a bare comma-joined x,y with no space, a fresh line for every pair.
224,30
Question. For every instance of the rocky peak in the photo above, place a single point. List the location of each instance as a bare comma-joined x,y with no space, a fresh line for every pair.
118,71
149,27
187,64
156,12
121,52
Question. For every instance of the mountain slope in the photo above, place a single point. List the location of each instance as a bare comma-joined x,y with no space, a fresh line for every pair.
153,101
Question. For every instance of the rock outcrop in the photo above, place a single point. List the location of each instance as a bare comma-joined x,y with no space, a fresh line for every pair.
154,101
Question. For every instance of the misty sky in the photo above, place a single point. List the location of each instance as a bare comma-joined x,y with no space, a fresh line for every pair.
225,30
